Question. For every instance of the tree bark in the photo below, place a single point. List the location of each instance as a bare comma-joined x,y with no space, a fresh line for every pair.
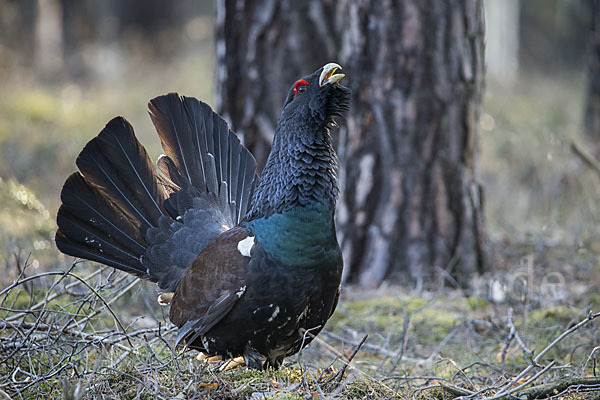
411,203
263,46
592,107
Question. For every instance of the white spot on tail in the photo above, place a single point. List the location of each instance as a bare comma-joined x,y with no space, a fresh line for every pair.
274,314
244,246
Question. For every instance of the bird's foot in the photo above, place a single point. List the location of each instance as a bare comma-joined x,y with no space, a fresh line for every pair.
206,358
233,363
164,299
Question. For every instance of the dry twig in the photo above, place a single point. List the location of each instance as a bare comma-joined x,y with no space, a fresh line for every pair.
54,339
514,334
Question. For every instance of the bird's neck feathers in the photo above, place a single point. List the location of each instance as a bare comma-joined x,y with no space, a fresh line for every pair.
301,170
292,212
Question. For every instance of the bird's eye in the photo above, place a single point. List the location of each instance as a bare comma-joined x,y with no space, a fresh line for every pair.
300,87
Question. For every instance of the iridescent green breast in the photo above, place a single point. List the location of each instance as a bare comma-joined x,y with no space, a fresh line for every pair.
303,236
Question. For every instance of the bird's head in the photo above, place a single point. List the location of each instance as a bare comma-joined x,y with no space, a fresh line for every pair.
314,101
301,168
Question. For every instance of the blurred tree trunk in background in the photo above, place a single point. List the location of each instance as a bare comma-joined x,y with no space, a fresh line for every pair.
79,25
49,40
409,203
502,39
263,46
18,34
592,107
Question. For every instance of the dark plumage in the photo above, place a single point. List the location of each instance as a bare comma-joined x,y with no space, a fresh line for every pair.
251,262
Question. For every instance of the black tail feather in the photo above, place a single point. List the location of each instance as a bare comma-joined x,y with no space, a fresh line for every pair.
82,239
83,202
107,208
117,164
177,137
193,135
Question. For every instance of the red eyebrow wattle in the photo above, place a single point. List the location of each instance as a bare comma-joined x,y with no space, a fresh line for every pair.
298,84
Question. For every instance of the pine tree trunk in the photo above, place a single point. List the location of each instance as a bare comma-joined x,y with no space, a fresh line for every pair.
411,205
263,46
592,107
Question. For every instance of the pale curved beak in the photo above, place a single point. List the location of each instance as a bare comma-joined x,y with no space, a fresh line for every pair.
328,74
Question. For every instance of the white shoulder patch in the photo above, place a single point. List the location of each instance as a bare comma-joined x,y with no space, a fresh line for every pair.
241,291
244,246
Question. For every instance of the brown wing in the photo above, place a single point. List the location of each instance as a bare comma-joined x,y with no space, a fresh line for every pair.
211,286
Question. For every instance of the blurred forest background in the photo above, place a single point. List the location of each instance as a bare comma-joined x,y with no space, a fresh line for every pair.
68,66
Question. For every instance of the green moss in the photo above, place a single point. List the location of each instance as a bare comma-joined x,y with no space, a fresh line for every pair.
432,315
561,315
244,381
476,302
377,312
50,389
387,314
436,393
366,389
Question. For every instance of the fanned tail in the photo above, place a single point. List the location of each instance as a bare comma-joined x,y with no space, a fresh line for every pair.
120,211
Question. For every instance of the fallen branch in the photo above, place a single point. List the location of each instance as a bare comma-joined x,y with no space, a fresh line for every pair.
550,389
404,336
455,390
106,305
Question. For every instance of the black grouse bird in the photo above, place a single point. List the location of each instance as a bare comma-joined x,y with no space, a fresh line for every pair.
248,262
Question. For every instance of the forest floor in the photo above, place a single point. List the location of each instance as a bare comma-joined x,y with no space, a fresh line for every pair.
81,331
102,336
